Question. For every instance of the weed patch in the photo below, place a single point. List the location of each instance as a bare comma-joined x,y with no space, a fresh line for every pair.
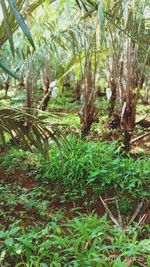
96,166
82,241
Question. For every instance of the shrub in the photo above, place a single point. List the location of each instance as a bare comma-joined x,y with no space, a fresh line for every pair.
80,167
96,166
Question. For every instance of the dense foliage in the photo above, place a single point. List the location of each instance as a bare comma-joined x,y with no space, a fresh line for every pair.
80,165
74,133
89,241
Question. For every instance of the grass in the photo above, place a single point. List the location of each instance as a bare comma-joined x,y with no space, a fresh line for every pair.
33,233
22,202
49,209
15,158
85,240
96,166
81,168
62,104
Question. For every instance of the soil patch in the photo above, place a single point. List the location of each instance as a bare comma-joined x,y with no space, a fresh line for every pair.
70,208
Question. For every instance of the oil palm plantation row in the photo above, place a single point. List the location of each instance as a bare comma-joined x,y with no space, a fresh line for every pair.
91,40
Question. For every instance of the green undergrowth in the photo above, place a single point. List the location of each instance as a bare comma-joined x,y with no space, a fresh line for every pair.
48,209
95,166
17,159
85,240
27,202
63,104
80,168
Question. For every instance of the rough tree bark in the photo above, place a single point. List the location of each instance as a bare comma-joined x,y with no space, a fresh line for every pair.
45,78
45,100
30,88
88,112
112,85
7,86
78,90
128,89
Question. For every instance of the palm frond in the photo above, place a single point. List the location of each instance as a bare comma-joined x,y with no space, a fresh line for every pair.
19,18
7,70
28,130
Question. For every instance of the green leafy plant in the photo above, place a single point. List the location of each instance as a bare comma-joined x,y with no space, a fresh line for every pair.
96,166
84,240
80,168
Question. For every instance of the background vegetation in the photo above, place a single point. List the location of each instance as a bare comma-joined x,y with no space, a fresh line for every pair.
74,133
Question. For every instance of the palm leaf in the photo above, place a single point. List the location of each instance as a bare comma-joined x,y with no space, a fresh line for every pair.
7,70
12,21
28,129
7,25
21,22
78,3
102,19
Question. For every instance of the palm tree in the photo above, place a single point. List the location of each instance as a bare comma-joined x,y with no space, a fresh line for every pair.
126,76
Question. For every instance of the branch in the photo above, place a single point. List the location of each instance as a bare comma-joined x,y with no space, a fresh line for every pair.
109,212
139,137
136,212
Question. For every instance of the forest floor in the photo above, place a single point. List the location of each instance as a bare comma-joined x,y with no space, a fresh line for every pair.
22,197
24,200
43,220
37,225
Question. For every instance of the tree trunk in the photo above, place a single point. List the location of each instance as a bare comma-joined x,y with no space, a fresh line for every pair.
78,90
87,114
7,86
45,81
29,86
44,103
128,83
112,85
127,140
45,78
